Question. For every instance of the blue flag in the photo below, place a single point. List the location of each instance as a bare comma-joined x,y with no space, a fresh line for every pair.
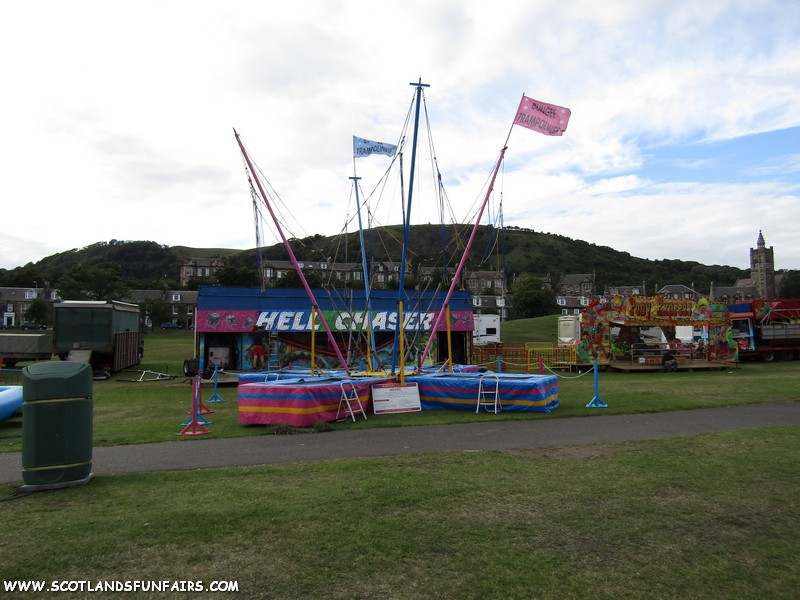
362,147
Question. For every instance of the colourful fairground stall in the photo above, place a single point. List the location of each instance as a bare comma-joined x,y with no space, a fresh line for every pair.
633,333
364,336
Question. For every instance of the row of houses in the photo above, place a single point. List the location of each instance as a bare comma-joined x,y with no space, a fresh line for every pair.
574,292
490,290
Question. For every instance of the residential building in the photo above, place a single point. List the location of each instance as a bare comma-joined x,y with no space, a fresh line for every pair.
576,284
204,269
574,291
181,306
572,305
15,301
338,272
733,293
624,290
489,293
492,305
484,282
678,291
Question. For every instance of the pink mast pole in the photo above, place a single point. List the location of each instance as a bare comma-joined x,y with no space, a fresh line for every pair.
463,260
292,257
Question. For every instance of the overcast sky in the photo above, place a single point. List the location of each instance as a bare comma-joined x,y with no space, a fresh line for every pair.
117,119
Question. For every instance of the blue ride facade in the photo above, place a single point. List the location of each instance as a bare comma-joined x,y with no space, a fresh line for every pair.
227,316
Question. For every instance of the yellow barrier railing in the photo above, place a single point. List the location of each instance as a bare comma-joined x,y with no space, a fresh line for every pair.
525,359
552,357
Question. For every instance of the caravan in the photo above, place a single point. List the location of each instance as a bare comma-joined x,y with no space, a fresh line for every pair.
487,330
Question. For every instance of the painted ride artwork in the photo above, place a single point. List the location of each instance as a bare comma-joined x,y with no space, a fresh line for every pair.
634,333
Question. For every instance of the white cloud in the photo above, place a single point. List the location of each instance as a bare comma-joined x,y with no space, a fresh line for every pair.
120,121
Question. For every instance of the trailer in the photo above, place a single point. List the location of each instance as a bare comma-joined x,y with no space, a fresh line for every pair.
569,329
487,330
105,334
766,330
20,347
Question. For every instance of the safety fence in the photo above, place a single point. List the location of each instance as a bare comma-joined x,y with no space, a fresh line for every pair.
10,377
531,357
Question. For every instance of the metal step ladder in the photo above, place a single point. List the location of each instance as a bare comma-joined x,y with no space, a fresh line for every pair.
489,394
271,358
349,403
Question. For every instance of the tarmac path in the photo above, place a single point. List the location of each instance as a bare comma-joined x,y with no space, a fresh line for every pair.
205,453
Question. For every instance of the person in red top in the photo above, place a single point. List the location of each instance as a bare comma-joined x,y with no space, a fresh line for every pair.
258,350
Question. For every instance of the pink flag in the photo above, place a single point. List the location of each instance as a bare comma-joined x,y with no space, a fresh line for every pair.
548,119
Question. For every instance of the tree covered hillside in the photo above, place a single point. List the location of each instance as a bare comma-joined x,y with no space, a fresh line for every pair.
148,265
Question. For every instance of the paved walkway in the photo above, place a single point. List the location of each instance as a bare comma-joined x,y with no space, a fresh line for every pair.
204,453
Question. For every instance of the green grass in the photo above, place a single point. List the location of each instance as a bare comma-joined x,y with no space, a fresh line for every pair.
710,516
126,412
539,329
713,516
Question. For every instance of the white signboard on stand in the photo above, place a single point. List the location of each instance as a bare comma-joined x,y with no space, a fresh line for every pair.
395,398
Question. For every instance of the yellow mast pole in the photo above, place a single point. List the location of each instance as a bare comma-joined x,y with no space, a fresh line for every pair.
402,343
313,336
449,339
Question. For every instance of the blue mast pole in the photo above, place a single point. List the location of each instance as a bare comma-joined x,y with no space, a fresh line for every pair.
407,225
371,333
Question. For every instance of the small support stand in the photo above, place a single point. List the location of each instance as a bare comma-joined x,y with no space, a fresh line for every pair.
152,376
597,401
194,426
215,397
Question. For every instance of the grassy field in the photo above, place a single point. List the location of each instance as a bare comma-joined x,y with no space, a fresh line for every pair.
712,516
127,412
540,329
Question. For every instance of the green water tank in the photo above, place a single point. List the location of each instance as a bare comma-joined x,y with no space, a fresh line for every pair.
56,425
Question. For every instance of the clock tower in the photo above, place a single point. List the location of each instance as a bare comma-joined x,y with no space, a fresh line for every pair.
762,269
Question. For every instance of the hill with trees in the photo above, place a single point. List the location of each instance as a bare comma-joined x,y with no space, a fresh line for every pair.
107,269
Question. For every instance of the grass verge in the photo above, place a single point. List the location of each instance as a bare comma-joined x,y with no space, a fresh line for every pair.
712,516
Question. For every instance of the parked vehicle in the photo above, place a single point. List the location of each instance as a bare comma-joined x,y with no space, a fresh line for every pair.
569,329
107,335
487,329
766,329
31,325
24,347
169,325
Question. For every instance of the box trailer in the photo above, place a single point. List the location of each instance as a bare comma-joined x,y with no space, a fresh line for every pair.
105,334
20,347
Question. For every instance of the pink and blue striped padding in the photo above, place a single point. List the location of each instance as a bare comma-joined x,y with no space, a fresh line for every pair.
459,391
